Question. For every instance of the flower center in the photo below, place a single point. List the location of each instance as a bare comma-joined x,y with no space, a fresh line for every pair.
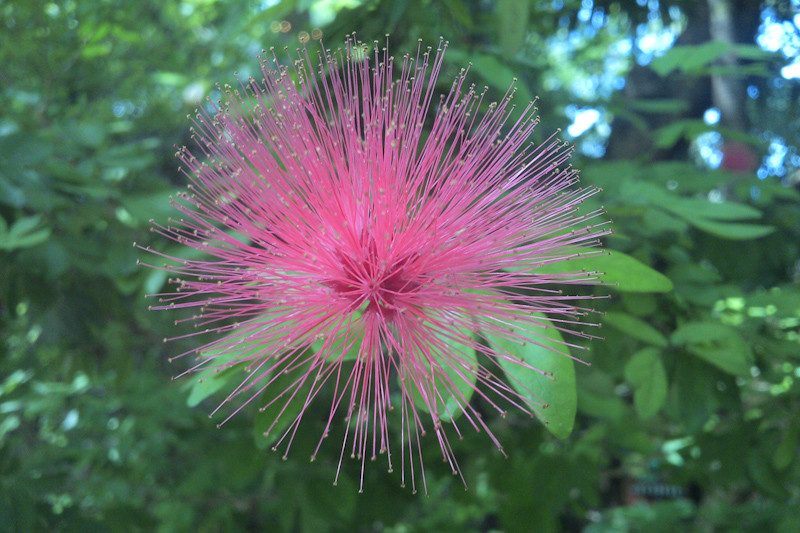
382,285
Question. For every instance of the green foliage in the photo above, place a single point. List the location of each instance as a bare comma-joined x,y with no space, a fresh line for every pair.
720,345
635,328
698,59
695,386
554,388
646,373
454,379
625,273
25,232
213,379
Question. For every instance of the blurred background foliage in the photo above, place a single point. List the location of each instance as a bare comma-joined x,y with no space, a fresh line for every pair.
684,112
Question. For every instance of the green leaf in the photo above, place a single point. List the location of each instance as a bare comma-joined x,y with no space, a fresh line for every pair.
689,58
670,134
210,381
7,425
720,345
496,74
512,24
349,335
24,233
24,225
656,105
636,328
557,393
741,71
706,216
646,373
629,274
460,12
262,17
243,345
640,304
693,396
21,151
698,332
692,273
458,364
155,205
764,476
753,51
732,231
91,134
658,221
174,79
96,50
667,136
290,391
733,357
644,193
786,451
699,208
603,406
286,400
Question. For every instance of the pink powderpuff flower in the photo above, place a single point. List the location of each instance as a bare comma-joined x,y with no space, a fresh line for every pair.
369,237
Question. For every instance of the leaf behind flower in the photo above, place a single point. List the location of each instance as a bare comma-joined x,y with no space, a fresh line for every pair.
557,393
453,375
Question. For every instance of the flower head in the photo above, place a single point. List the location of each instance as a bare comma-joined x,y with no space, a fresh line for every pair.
368,235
